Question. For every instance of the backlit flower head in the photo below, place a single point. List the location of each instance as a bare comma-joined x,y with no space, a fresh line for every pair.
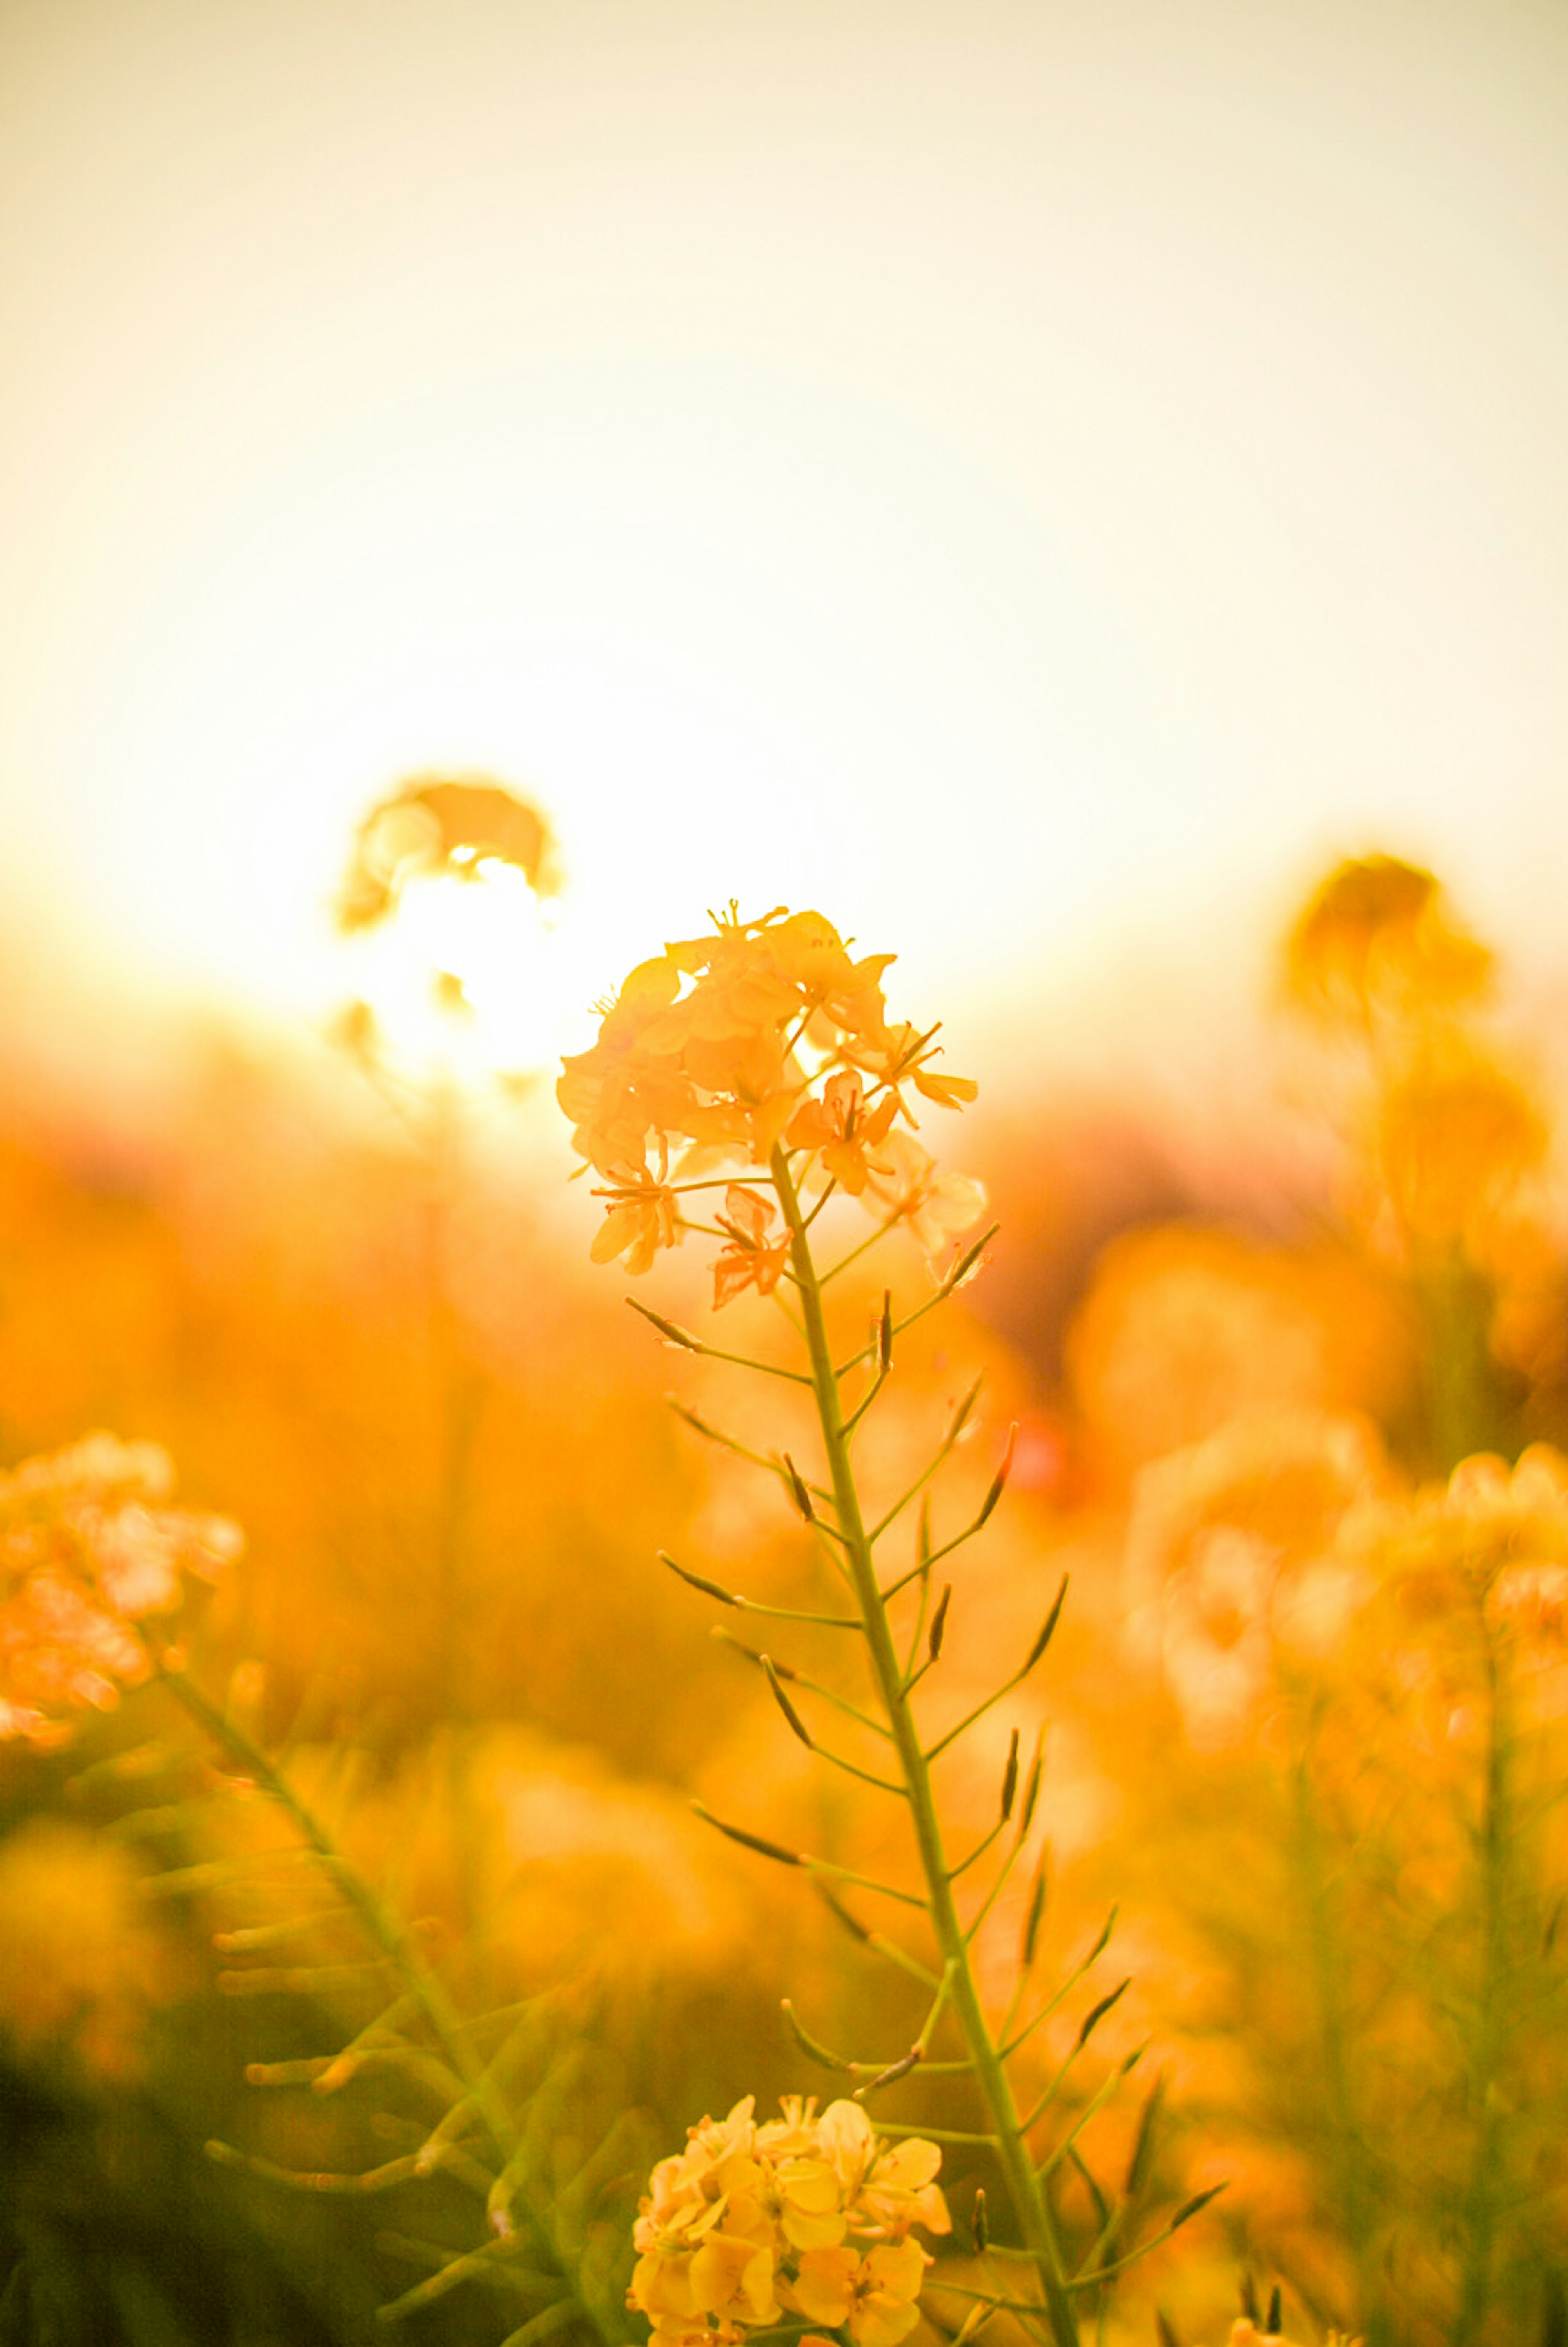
87,1550
762,1034
1495,1531
1457,1139
1377,939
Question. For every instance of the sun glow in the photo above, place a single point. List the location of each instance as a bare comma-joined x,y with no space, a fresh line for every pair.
462,981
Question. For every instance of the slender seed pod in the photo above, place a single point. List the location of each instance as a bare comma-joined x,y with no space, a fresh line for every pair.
797,1724
667,1329
1189,2209
758,1842
698,1581
1048,1632
1035,1910
1010,1779
999,1480
1097,2012
802,1498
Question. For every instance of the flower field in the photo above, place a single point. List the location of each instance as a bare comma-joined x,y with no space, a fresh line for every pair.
981,1762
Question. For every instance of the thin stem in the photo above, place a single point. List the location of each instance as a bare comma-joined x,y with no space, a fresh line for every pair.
481,2088
1487,2185
1029,2204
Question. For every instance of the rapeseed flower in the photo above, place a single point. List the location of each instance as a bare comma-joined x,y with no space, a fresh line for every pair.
804,2214
1377,940
755,1253
725,1046
86,1552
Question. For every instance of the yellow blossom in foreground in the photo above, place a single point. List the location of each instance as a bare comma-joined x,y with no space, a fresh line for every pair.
765,1034
642,1217
1245,2332
755,1253
86,1551
804,2214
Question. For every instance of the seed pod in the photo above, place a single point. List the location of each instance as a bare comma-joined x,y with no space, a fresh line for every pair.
1010,1779
802,1498
999,1480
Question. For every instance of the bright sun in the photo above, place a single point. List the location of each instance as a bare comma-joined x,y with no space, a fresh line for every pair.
449,909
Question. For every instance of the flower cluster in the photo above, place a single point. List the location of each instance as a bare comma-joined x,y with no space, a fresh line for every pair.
1245,2332
725,1046
87,1550
805,2217
1378,938
1492,1532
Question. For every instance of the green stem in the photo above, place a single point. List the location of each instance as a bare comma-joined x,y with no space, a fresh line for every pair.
1486,2185
429,1992
1351,2182
1027,2193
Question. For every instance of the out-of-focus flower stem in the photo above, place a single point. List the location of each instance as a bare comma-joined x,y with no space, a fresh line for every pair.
1023,2183
481,2087
1492,1841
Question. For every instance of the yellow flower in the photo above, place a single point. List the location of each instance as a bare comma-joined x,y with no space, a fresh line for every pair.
1500,1531
86,1552
1376,937
1245,2332
749,2219
642,1216
841,1127
937,1207
80,1965
875,2295
763,1030
750,1259
1457,1140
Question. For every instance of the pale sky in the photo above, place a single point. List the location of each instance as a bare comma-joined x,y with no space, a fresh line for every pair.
1017,476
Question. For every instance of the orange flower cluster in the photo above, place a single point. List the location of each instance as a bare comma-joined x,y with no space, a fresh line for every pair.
1378,938
1245,2332
1492,1532
764,1032
86,1551
804,2218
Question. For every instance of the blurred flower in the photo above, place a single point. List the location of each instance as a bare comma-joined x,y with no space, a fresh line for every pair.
1493,1532
1456,1140
1377,937
79,1965
1187,1328
439,824
83,1557
936,1207
1230,1541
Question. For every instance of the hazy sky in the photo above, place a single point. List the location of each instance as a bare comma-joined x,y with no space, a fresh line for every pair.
1005,473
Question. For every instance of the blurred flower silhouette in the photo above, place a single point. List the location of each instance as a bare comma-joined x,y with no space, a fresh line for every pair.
87,1552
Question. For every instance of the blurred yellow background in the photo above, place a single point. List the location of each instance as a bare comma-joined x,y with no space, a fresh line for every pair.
1012,475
